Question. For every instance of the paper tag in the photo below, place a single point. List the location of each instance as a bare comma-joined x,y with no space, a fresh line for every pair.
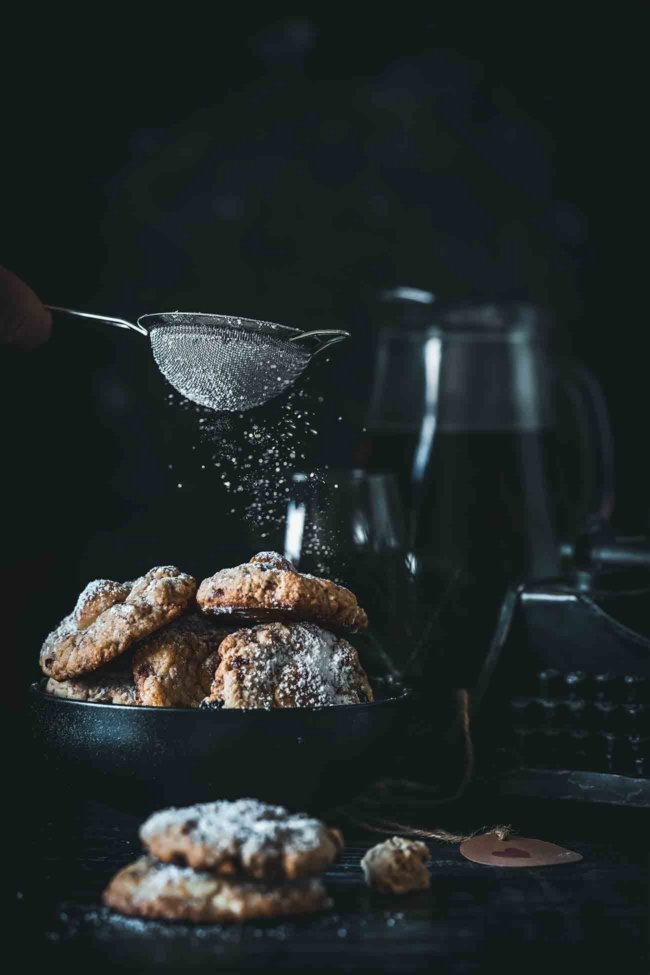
516,851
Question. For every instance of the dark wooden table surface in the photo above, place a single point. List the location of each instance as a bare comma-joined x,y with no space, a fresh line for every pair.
475,918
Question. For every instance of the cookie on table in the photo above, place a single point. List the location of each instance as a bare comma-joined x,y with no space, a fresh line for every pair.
269,588
150,889
397,866
287,665
244,838
110,616
97,688
175,666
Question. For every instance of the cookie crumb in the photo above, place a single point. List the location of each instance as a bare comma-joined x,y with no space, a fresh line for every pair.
397,866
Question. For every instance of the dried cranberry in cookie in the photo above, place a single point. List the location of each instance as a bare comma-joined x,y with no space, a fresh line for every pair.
288,665
269,588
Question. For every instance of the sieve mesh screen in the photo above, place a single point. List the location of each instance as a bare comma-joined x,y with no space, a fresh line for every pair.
230,366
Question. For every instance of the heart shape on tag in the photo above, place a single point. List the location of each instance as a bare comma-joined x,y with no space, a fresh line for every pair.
522,851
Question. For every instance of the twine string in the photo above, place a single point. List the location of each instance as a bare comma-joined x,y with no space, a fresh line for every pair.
420,796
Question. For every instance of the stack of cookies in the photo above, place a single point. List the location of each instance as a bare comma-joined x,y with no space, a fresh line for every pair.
259,635
288,659
227,861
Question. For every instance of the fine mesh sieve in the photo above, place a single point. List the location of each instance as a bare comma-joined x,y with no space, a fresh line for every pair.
224,362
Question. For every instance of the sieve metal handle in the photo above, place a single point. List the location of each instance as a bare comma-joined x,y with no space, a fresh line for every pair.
118,322
335,335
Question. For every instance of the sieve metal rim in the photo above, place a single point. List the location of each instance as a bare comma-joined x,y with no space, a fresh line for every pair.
165,320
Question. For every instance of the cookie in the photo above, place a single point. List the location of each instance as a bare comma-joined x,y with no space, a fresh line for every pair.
96,688
175,667
287,665
245,837
397,866
110,616
268,588
147,888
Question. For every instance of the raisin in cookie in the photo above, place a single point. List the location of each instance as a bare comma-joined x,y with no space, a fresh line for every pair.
397,866
175,666
110,616
287,665
97,688
269,588
245,837
162,890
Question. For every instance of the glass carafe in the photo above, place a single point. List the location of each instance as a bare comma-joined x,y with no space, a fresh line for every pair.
513,454
502,448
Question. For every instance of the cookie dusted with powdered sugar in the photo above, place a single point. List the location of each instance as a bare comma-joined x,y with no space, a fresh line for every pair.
245,837
156,890
287,665
95,688
397,866
269,588
110,616
175,667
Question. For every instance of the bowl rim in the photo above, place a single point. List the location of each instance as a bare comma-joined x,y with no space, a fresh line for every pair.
402,692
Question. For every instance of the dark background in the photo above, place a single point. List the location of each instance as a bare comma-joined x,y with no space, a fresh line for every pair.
286,167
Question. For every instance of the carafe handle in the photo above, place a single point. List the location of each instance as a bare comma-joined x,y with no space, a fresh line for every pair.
595,441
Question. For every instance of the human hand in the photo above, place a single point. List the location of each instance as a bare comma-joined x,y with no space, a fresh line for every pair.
25,322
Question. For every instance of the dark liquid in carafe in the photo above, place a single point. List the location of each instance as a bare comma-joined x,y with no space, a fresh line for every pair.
392,451
484,517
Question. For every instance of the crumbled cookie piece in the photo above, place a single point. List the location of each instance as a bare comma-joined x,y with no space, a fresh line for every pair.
292,665
110,616
175,666
245,837
397,866
150,889
269,588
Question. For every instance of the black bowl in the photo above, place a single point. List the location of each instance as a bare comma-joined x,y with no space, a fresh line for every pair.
140,758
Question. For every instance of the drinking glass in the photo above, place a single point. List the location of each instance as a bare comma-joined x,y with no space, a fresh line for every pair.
349,526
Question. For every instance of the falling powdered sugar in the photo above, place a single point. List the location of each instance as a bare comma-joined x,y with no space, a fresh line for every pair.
256,457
